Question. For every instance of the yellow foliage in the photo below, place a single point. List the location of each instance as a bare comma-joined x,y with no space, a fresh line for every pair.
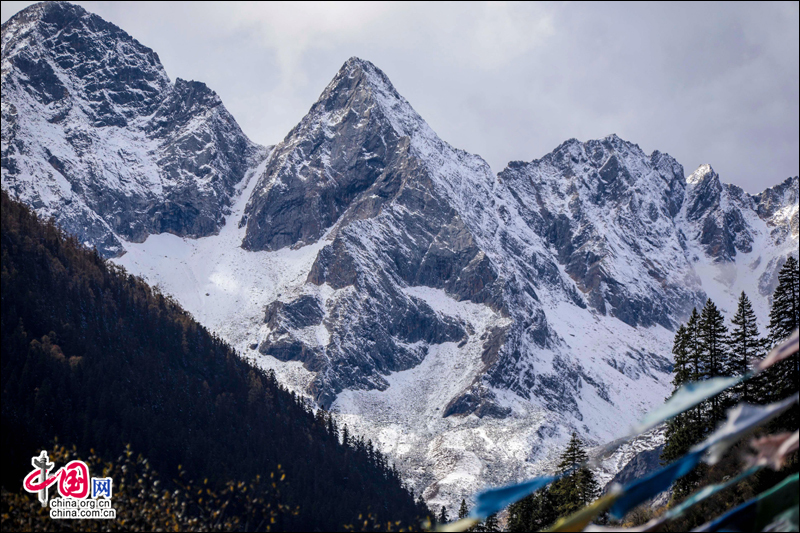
142,506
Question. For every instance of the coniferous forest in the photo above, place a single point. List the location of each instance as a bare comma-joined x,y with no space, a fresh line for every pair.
705,347
99,360
563,497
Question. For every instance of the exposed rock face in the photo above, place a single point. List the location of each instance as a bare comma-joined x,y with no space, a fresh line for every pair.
718,213
350,163
731,226
778,207
607,210
714,210
340,149
598,225
95,135
394,278
642,464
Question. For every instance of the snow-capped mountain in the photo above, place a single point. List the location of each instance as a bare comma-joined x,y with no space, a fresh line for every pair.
465,321
737,241
95,134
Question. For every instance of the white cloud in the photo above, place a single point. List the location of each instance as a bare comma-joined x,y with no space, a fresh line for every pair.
713,83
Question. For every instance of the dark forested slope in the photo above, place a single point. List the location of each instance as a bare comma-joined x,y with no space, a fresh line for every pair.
98,358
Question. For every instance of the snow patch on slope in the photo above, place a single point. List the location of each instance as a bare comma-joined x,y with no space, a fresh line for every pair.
222,285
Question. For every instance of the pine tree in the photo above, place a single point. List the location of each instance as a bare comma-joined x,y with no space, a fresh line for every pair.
693,346
745,343
520,513
422,507
685,429
713,343
463,511
573,456
536,512
588,487
693,349
578,487
783,377
783,321
680,349
443,518
491,525
333,429
783,318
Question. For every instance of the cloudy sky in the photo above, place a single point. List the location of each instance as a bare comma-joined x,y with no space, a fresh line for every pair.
707,83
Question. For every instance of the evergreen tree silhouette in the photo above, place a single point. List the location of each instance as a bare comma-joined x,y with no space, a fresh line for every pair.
715,357
463,511
745,344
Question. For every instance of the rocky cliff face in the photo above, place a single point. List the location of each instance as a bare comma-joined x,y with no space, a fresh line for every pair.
398,208
746,236
544,297
96,135
777,206
465,321
350,171
607,211
714,212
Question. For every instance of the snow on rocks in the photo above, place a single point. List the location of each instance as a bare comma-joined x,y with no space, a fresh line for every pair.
466,322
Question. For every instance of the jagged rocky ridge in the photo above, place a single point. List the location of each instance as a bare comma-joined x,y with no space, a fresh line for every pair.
96,135
597,240
463,320
399,208
364,169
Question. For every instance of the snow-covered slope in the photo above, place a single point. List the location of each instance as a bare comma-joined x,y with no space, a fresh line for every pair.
607,210
738,242
95,134
467,322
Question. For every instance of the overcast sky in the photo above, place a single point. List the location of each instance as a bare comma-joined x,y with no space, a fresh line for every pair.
707,83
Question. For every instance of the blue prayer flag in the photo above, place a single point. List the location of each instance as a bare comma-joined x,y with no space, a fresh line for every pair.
495,500
643,489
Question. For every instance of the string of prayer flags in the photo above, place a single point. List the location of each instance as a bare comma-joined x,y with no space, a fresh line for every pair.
704,493
773,449
686,397
786,349
741,419
676,512
761,511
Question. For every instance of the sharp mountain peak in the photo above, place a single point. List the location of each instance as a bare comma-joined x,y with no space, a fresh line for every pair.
391,262
703,173
96,135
